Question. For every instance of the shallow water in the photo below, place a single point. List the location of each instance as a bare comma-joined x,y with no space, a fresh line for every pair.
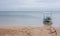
25,18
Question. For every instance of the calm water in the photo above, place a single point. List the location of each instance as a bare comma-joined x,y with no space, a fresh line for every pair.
25,18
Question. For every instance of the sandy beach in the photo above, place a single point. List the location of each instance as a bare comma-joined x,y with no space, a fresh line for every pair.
26,31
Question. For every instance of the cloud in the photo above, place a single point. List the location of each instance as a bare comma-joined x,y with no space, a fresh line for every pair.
18,5
48,1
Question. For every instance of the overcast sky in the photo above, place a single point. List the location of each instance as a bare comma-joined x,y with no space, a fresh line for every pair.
34,5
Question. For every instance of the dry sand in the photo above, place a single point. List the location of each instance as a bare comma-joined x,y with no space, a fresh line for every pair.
27,31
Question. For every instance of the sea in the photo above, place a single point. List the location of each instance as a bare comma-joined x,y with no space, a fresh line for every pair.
27,18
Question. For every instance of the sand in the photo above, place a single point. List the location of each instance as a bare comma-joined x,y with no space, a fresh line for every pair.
27,31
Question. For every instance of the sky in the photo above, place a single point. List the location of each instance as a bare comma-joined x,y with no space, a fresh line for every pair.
29,5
